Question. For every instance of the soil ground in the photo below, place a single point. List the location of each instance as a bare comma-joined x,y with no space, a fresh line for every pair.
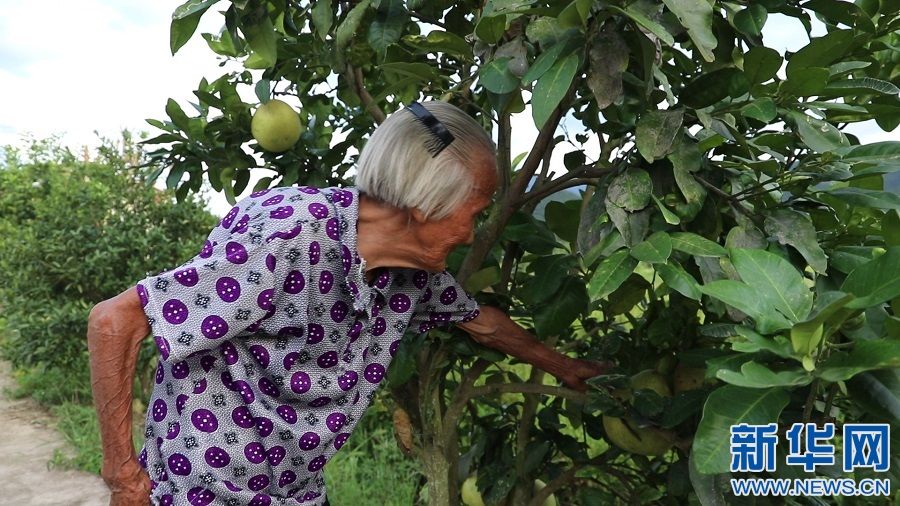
28,439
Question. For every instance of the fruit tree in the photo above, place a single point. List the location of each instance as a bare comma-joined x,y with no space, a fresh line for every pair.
724,229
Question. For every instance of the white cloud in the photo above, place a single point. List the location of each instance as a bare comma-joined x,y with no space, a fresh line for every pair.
92,65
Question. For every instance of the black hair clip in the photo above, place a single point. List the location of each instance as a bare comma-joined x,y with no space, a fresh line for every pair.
441,137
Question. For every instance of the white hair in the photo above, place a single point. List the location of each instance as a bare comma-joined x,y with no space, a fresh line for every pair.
395,166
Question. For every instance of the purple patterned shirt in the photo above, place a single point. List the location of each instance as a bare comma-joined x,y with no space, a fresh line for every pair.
272,346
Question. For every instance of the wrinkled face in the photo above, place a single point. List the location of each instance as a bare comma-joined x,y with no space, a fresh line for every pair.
458,227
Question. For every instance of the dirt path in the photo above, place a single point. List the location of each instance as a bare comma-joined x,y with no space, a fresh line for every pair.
27,441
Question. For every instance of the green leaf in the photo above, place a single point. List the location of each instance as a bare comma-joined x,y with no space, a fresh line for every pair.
631,190
441,42
755,375
676,278
496,77
575,14
711,87
656,130
863,85
697,17
222,44
874,152
481,279
806,335
347,30
387,27
184,22
875,281
640,18
749,301
776,280
547,58
491,28
878,392
861,197
750,21
754,342
403,366
821,51
192,7
762,109
177,115
549,273
670,217
562,218
796,229
694,193
552,87
847,66
727,406
865,356
710,488
806,338
697,245
322,17
819,135
262,38
608,58
263,90
554,317
805,82
761,64
610,274
655,250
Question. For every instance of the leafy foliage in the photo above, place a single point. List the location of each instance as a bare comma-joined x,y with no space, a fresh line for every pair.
74,233
729,222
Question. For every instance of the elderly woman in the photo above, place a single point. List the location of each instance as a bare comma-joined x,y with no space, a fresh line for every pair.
274,339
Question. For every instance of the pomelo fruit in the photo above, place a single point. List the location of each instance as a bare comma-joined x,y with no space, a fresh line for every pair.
276,126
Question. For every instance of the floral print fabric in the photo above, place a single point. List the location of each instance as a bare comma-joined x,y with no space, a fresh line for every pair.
272,345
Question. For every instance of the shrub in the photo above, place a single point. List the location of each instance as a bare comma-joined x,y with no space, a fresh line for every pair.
73,233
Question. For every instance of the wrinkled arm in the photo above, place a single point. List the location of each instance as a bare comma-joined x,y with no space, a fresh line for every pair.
493,328
116,328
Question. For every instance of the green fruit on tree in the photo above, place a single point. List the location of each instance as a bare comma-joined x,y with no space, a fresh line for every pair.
665,365
688,378
470,494
651,380
648,441
648,379
276,126
625,433
472,497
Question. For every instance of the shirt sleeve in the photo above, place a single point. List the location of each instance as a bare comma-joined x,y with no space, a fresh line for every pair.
225,290
444,302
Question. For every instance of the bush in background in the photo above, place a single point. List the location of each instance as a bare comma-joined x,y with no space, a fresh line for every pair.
74,232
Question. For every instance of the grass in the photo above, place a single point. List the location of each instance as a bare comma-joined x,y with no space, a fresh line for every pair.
78,425
370,469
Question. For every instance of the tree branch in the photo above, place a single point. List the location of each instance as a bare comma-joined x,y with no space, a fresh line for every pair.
489,232
356,79
567,181
564,479
463,394
735,203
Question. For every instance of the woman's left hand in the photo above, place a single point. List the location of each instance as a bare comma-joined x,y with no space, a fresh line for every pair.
581,370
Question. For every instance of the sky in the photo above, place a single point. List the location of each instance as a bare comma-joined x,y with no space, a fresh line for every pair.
94,67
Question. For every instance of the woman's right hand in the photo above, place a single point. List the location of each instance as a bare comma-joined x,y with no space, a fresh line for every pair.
131,486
